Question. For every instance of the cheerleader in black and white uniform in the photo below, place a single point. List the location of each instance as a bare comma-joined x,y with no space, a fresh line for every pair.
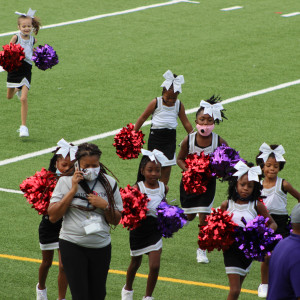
18,81
165,110
243,193
204,140
146,239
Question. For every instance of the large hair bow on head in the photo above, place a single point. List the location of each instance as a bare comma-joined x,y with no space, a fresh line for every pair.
214,110
266,151
30,13
155,155
170,79
242,169
66,148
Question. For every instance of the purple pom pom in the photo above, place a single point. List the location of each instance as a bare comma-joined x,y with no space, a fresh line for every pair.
256,239
223,159
170,219
44,57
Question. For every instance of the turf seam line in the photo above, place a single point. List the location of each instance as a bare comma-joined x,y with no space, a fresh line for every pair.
114,132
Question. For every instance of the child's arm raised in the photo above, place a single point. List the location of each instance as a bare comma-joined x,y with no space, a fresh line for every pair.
262,210
184,120
183,152
288,188
145,115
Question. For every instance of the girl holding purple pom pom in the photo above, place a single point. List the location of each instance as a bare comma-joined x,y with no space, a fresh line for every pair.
18,82
147,239
243,193
203,140
275,189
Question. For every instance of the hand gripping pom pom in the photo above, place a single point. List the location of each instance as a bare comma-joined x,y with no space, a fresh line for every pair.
44,57
170,219
222,160
197,177
219,231
38,190
129,142
134,207
11,57
256,240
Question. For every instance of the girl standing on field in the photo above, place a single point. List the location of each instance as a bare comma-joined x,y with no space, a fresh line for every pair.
275,189
243,193
165,110
203,140
18,82
61,164
147,239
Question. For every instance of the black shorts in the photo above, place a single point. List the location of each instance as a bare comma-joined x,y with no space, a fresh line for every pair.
49,233
282,222
16,79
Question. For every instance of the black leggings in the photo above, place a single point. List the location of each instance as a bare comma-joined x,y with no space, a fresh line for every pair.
86,270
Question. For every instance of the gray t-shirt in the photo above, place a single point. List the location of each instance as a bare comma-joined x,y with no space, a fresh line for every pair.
75,219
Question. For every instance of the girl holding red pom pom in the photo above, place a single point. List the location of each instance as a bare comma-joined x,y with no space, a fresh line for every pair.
243,193
165,110
275,189
88,201
206,141
61,164
147,239
18,81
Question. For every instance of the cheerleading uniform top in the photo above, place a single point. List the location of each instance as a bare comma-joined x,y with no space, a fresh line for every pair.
155,196
276,198
27,45
165,116
75,219
194,148
238,211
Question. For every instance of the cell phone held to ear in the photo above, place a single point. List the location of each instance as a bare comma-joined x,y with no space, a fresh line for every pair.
76,165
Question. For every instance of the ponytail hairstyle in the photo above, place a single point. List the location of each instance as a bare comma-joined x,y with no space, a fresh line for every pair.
88,149
260,162
140,177
36,24
232,191
213,100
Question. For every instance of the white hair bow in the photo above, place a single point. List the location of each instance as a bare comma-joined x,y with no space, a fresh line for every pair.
266,151
212,109
66,148
242,169
155,155
30,13
170,79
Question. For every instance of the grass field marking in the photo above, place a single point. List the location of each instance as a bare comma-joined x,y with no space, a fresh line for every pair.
231,8
291,14
114,132
118,13
118,272
10,191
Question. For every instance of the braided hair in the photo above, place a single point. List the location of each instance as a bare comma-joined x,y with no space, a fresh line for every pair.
232,191
88,149
213,100
140,177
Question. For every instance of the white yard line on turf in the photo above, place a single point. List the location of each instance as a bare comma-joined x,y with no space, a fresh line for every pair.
114,132
123,12
291,14
231,8
11,191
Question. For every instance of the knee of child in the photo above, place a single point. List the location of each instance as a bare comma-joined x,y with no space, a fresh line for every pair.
154,266
235,292
47,263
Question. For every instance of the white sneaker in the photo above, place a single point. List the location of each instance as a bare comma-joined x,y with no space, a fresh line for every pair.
126,295
19,94
41,294
201,256
23,131
263,290
148,298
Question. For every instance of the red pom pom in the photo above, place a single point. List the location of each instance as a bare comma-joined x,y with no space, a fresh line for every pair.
11,57
196,178
134,207
129,142
38,190
219,231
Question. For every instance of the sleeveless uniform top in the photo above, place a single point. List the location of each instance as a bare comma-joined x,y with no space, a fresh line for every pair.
165,116
276,200
207,150
247,211
27,45
155,196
